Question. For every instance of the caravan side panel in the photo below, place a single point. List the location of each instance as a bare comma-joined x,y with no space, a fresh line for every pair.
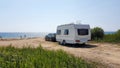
68,38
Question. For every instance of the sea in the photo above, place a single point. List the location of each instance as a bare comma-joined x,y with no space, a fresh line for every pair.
109,32
27,34
21,34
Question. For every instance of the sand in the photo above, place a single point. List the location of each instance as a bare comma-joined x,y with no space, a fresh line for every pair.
103,53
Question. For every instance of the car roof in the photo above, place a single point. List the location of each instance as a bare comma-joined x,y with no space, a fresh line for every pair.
52,33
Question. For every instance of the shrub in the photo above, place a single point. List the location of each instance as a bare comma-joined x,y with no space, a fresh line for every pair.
118,32
112,38
97,33
118,35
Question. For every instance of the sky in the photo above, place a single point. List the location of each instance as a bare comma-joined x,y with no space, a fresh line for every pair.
46,15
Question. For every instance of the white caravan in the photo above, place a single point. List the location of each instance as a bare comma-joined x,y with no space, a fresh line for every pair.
73,34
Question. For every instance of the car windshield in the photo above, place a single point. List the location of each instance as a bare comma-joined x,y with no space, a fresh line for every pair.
82,31
51,35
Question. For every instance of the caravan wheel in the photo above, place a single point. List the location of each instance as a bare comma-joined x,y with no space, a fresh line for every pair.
83,43
64,42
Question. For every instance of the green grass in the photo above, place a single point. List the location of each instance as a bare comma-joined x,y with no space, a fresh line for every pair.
110,38
114,38
11,57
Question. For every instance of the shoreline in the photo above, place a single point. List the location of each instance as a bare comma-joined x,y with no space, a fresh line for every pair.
10,39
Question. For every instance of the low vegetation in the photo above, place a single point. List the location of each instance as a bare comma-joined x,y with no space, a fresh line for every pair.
11,57
114,38
99,36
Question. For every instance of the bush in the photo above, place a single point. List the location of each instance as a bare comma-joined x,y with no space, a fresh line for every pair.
97,33
118,32
112,38
118,35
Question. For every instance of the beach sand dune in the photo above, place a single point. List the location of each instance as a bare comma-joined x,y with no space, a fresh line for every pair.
103,53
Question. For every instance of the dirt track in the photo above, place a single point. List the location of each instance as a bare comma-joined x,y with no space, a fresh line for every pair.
107,54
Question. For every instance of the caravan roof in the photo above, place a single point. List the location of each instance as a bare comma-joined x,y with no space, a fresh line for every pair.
76,25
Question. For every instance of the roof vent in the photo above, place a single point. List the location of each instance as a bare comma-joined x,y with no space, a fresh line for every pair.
78,22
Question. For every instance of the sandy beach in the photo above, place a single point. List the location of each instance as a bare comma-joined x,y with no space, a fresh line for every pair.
103,53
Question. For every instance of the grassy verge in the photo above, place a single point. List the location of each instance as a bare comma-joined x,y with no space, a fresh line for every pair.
109,38
114,38
97,35
11,57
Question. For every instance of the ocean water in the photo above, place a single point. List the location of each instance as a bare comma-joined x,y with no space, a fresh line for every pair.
27,35
109,32
21,35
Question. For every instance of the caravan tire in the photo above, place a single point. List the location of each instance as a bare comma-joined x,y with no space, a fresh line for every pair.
83,43
64,42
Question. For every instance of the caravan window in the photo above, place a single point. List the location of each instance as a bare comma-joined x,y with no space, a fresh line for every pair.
66,32
82,31
58,32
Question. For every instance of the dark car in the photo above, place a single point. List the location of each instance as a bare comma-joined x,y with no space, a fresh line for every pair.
51,37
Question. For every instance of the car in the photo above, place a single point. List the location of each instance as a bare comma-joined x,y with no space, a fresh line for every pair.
51,37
